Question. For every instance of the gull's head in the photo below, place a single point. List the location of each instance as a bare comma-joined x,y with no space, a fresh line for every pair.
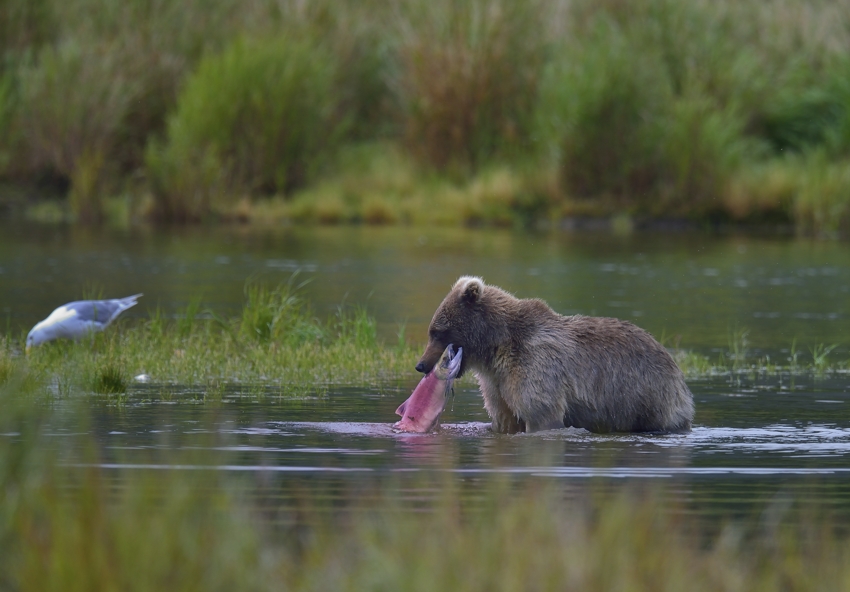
36,337
31,341
53,327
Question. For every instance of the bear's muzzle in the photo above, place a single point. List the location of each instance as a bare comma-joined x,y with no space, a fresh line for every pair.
429,359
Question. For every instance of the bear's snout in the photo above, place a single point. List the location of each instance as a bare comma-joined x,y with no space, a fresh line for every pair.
430,358
425,366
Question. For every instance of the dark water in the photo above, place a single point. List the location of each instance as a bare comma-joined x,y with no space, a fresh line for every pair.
755,443
694,289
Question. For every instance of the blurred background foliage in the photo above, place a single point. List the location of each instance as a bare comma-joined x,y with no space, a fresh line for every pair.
414,111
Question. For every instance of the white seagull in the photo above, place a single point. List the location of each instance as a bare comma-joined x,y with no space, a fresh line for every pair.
78,319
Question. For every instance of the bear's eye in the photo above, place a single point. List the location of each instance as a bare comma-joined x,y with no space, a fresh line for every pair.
437,334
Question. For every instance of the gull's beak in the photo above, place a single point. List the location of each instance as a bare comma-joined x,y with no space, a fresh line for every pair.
28,348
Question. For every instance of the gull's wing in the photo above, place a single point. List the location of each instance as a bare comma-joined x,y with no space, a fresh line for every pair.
101,312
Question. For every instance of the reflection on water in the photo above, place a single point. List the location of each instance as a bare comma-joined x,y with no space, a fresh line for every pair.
693,288
733,460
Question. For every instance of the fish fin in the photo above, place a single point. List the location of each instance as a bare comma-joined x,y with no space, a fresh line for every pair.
401,408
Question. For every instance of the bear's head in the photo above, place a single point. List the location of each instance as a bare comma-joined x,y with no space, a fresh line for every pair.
470,317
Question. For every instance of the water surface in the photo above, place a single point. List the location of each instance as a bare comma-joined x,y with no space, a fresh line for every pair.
693,289
754,441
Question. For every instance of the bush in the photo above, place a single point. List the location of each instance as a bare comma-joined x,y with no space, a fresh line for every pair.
468,79
822,204
73,104
641,112
601,109
255,119
702,146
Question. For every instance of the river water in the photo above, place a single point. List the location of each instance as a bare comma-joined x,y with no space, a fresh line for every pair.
756,440
691,288
756,443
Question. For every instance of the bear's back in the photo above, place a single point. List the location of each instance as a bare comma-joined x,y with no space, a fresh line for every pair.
615,376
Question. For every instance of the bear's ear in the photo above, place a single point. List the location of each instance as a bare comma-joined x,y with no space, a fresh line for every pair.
472,289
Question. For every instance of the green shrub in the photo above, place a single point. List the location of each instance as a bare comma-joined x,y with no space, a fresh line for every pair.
254,119
74,102
601,108
702,146
468,79
822,204
641,111
803,119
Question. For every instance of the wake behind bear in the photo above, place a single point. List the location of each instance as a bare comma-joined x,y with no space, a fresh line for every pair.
538,370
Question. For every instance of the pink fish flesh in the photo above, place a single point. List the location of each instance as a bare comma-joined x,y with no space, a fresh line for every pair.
421,412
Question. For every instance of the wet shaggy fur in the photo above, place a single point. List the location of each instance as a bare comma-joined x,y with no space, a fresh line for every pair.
539,370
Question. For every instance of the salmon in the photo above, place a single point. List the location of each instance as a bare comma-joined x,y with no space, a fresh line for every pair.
422,410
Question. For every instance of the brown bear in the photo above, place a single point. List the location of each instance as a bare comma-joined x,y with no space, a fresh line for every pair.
539,370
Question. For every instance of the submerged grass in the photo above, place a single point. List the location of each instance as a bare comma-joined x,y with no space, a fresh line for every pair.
110,380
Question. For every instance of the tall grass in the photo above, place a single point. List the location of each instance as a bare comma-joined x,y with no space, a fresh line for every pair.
468,78
822,202
254,119
276,339
278,315
651,108
74,100
638,107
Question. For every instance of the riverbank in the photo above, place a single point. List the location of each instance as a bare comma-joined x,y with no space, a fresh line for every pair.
458,113
278,342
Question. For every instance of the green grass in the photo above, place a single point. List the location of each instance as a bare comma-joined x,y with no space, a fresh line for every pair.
252,120
276,340
494,112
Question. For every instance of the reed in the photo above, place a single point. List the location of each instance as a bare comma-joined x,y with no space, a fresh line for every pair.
468,78
709,110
